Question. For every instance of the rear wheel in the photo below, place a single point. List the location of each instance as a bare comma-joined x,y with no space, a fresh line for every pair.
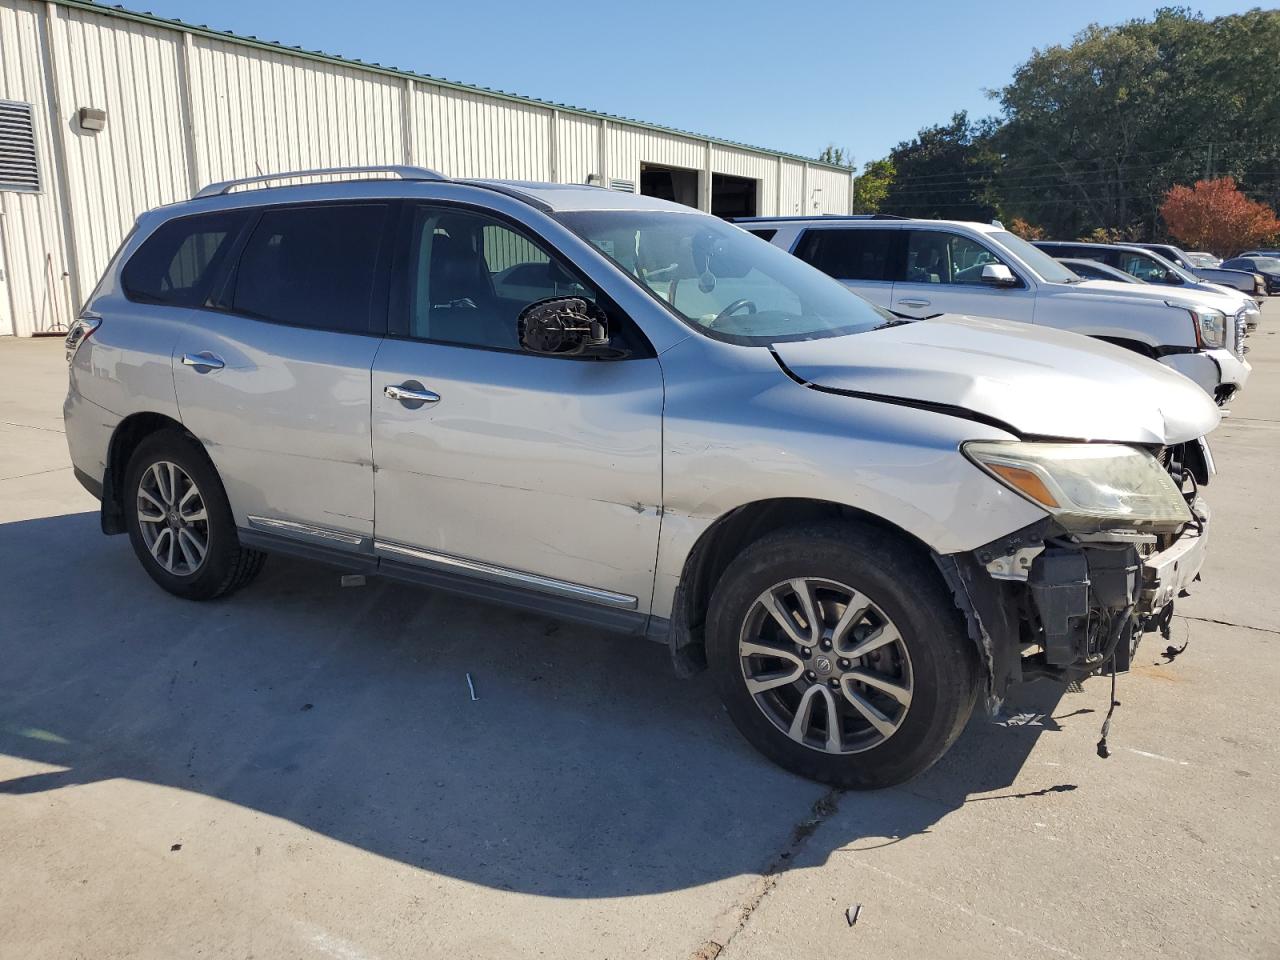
180,523
840,656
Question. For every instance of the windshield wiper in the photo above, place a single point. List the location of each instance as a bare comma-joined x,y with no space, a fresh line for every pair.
896,322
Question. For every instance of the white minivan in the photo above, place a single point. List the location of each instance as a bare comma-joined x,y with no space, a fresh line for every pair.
921,268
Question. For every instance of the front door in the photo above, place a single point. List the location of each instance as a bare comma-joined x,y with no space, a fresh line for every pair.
942,273
275,383
532,472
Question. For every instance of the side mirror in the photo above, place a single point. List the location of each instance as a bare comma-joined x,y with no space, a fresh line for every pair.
998,275
563,326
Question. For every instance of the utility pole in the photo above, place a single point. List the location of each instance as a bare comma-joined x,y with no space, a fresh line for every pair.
1208,163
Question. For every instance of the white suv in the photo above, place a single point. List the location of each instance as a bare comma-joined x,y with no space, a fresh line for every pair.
919,268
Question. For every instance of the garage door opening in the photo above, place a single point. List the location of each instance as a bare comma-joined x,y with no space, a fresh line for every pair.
669,183
733,196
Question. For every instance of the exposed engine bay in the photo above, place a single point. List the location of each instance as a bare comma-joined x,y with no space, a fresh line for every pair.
1044,603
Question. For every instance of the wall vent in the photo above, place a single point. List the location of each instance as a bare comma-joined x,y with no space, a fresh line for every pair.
18,168
626,186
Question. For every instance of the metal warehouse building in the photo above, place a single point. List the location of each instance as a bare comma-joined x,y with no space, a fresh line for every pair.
105,113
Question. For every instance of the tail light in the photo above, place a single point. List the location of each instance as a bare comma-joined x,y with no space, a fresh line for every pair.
81,330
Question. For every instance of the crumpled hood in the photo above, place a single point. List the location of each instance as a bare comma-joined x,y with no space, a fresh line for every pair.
1040,382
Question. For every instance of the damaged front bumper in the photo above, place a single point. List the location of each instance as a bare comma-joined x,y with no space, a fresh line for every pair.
1042,603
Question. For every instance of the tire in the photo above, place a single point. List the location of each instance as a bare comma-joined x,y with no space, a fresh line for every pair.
930,659
170,558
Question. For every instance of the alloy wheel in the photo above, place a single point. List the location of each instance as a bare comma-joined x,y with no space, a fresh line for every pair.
826,665
173,518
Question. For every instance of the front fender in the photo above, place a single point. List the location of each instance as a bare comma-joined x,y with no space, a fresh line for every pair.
737,431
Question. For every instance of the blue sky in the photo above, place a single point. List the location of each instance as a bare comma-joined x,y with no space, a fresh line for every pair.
790,76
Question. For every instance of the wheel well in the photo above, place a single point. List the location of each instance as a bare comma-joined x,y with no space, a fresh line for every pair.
723,541
130,432
1137,346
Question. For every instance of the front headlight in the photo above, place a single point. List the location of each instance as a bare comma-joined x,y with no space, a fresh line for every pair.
1211,326
1086,486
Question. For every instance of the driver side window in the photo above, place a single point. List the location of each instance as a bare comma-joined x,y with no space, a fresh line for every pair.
937,257
470,276
1144,268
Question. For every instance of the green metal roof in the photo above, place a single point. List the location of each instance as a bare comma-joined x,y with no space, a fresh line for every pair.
319,55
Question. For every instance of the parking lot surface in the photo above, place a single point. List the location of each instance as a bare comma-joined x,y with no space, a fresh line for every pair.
300,771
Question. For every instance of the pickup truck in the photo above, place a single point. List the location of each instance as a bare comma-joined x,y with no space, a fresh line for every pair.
923,268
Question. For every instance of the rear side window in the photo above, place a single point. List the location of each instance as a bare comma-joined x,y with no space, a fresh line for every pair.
312,266
849,254
763,234
179,262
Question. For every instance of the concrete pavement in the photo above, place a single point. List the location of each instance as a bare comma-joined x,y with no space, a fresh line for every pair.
299,771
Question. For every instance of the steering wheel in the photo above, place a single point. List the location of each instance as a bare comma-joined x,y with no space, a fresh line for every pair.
733,308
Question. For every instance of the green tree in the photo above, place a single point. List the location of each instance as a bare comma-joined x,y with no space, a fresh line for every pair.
1094,133
945,171
871,187
837,155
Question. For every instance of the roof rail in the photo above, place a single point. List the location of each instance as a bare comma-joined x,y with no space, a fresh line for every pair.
404,172
819,216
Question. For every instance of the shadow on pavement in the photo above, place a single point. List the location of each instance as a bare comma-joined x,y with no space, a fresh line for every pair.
585,769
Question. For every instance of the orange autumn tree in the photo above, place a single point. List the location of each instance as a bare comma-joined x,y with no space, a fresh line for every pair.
1214,215
1027,231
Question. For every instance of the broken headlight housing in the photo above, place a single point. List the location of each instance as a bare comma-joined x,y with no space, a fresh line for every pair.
1086,486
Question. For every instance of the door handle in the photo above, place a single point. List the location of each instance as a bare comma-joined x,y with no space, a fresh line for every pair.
203,362
411,393
913,302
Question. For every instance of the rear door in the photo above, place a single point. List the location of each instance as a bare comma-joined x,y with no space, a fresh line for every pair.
864,260
535,473
274,376
941,272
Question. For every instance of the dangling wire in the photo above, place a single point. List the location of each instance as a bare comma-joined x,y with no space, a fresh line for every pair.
1103,750
1122,622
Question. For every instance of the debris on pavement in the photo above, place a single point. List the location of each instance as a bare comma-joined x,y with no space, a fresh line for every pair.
175,848
851,913
472,687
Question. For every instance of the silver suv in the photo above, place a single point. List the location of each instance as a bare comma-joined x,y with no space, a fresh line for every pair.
602,406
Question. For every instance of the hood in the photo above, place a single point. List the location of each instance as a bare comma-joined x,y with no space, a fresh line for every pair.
1159,295
1044,383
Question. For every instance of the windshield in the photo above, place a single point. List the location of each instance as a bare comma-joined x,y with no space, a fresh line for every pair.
1049,269
1266,263
723,281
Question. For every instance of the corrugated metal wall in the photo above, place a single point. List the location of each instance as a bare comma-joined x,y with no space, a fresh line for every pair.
469,135
113,174
34,261
630,146
184,109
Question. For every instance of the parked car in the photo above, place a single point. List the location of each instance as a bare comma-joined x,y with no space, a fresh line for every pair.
1149,266
1202,259
684,434
1269,267
1259,253
1253,285
1096,270
919,268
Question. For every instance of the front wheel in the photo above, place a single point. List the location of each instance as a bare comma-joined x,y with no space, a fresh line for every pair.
840,656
